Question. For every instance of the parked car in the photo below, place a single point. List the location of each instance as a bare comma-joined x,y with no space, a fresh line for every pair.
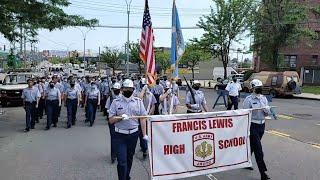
11,87
276,83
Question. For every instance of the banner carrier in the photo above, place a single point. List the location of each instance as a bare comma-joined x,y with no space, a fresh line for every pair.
213,113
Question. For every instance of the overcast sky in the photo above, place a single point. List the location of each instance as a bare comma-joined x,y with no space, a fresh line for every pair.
111,12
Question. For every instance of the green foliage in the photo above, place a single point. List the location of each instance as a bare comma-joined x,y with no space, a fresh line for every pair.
66,60
244,64
33,15
163,60
11,60
227,21
311,89
55,60
112,57
135,57
278,24
193,55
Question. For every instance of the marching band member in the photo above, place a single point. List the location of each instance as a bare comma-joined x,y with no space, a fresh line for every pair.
72,97
116,93
257,128
30,96
53,102
149,102
126,128
92,102
169,101
195,100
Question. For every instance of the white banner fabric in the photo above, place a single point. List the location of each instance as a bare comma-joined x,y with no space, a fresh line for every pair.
189,145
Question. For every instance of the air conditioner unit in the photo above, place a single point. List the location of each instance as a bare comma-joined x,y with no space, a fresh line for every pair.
293,65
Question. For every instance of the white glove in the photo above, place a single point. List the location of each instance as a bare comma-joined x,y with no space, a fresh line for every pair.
266,109
145,87
195,106
125,117
146,137
169,91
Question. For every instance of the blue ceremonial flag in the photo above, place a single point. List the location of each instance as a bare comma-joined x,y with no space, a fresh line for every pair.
177,42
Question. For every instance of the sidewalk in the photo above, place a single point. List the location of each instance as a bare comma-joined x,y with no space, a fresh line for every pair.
307,96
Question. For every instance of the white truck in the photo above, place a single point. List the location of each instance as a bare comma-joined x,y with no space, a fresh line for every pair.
218,72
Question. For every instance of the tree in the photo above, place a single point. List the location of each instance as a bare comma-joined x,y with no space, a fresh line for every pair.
112,58
11,60
224,25
135,57
278,24
193,55
55,60
163,60
33,15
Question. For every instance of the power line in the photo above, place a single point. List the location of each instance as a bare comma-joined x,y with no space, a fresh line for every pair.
108,4
139,27
122,11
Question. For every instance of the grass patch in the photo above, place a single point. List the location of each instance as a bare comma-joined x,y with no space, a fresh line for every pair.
311,89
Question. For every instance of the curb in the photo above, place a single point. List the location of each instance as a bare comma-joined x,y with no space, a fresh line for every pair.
308,98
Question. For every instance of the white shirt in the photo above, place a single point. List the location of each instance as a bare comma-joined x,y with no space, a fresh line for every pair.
233,88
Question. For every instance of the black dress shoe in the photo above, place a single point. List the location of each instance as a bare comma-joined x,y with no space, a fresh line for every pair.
145,154
32,127
68,127
73,123
47,128
264,176
55,125
26,130
113,160
249,168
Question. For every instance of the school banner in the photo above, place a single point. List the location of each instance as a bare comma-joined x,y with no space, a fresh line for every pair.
197,144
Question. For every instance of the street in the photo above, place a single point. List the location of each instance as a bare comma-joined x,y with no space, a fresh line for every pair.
291,147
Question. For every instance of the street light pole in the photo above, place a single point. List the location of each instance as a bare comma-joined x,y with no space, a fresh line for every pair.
84,49
84,35
128,2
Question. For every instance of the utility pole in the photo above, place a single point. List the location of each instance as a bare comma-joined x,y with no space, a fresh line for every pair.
128,2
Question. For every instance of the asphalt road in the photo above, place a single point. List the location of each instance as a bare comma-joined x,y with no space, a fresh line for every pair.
291,147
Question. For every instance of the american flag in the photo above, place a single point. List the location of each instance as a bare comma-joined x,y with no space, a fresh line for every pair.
147,54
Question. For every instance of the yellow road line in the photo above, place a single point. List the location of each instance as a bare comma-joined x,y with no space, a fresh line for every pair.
284,135
277,133
285,116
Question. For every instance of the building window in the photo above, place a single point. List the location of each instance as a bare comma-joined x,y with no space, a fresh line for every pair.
314,59
290,61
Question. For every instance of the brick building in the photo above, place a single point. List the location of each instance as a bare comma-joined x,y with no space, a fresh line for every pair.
303,57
